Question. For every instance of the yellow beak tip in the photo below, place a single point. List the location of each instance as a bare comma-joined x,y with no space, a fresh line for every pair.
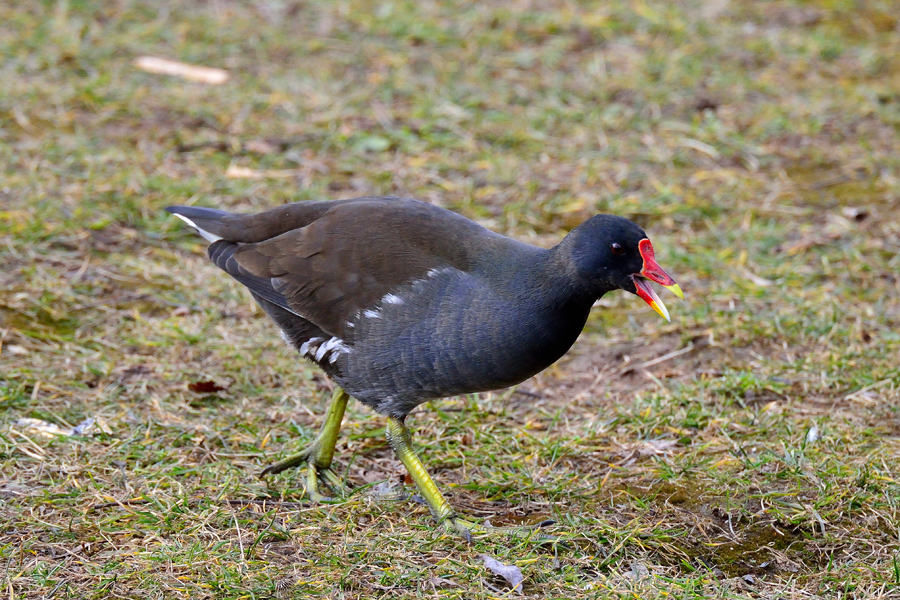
675,289
661,309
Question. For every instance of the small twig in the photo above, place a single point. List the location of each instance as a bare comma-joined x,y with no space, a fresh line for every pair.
382,588
272,503
40,451
58,585
268,503
838,179
241,544
655,380
661,359
83,268
495,590
868,388
132,502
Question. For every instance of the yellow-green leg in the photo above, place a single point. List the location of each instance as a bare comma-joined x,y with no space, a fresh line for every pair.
401,442
319,455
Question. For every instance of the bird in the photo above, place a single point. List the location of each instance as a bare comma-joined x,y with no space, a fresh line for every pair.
400,302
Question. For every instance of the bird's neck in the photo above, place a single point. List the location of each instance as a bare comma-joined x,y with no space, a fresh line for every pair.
567,283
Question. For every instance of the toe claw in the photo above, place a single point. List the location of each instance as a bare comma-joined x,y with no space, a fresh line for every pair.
467,535
333,480
285,464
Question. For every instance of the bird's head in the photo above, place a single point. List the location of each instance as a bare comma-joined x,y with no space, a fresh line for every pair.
612,252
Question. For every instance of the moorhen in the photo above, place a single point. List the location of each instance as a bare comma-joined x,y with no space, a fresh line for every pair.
401,302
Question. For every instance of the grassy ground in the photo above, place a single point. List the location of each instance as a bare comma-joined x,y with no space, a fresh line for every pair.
757,142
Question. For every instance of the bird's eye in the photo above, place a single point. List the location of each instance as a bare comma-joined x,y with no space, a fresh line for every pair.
617,248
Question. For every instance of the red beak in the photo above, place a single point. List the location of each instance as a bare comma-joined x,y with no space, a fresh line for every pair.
653,272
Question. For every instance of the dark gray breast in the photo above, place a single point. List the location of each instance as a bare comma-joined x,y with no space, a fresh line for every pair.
452,333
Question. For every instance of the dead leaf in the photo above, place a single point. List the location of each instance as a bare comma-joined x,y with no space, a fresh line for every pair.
511,573
133,373
704,101
205,387
370,476
164,66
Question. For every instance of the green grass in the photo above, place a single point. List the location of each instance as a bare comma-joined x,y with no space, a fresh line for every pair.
757,142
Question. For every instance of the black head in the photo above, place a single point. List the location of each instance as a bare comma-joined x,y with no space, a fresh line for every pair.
610,252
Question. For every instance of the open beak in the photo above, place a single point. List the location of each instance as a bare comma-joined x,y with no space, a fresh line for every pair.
653,272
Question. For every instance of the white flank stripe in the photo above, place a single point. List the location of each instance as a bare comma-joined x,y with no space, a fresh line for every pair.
323,349
334,345
304,347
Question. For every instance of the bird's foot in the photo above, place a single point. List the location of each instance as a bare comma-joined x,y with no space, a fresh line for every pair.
470,530
318,470
463,527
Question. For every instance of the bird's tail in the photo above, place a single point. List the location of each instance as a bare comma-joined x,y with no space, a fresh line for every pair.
205,220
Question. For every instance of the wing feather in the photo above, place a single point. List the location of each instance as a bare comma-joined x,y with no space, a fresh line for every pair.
350,258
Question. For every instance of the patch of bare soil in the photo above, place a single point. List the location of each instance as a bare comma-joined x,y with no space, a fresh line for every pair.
592,370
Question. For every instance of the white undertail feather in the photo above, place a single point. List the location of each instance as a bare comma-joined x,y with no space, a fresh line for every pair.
304,347
318,349
209,237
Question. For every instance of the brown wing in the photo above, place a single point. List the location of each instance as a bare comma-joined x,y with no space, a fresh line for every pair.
352,255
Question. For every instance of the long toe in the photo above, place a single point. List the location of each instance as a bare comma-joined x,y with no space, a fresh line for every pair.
334,482
315,474
295,460
470,530
461,527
